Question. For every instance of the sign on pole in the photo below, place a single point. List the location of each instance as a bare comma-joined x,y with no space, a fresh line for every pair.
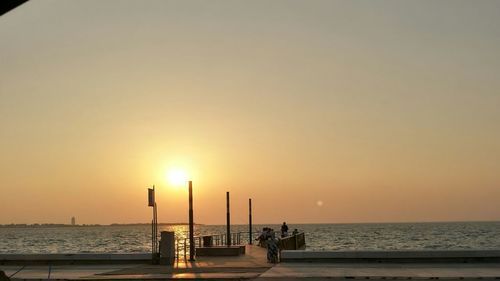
151,197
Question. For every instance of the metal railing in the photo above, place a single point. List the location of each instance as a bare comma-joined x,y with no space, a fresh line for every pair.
291,242
237,238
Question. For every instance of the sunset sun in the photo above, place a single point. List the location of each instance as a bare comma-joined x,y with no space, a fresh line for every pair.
177,177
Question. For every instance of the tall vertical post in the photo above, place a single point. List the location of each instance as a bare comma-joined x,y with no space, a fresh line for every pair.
228,220
191,223
155,223
156,228
250,236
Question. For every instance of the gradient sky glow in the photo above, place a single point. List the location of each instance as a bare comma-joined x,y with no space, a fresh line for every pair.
321,111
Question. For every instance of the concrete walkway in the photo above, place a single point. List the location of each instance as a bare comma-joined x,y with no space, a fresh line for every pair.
383,271
247,266
253,266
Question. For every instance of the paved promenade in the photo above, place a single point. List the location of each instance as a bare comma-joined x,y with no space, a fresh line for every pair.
383,271
253,266
247,266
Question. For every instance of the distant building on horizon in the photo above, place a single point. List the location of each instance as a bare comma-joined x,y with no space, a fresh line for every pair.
73,221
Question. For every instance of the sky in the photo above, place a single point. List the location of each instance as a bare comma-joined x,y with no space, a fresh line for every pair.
320,111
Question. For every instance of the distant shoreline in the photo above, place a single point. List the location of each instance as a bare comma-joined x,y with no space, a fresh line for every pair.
51,225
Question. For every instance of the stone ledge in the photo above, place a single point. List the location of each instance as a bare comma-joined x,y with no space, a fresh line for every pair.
221,251
74,258
392,256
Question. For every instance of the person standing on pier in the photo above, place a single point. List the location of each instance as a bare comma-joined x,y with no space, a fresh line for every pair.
263,237
284,230
272,249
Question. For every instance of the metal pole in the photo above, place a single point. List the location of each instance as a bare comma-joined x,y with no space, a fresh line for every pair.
191,223
154,220
250,239
156,228
153,229
228,220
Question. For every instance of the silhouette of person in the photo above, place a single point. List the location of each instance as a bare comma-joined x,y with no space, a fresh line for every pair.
263,236
284,230
272,249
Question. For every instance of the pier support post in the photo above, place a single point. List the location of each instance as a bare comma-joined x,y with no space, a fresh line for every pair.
250,236
228,220
154,225
191,223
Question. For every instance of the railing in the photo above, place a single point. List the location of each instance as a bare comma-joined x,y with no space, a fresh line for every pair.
293,242
237,238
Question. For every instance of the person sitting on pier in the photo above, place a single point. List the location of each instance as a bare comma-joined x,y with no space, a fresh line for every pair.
284,230
295,232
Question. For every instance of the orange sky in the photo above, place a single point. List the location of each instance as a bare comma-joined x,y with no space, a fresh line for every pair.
321,111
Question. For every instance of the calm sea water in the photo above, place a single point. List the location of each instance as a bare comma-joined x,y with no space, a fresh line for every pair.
128,239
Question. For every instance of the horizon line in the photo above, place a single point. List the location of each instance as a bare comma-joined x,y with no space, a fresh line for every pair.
266,223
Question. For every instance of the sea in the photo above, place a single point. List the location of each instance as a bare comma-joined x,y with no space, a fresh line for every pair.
319,237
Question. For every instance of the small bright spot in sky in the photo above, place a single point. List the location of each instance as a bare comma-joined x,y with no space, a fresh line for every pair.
319,203
177,177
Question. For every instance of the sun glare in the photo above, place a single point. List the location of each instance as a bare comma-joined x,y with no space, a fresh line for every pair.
177,177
